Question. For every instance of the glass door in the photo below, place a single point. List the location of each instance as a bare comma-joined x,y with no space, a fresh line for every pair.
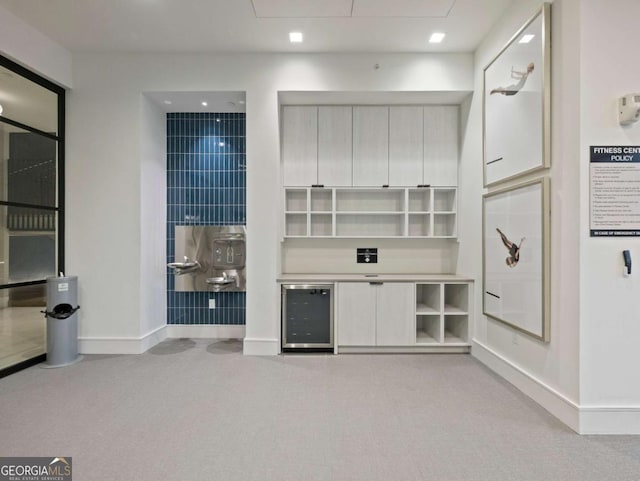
31,209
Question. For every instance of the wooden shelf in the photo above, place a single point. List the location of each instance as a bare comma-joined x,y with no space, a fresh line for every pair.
423,309
448,309
366,212
423,337
442,315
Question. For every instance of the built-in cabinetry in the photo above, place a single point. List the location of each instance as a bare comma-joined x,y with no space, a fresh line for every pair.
367,212
370,171
442,313
300,145
370,145
317,145
376,313
403,315
334,146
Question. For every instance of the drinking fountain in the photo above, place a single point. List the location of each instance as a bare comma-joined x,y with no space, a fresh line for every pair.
214,258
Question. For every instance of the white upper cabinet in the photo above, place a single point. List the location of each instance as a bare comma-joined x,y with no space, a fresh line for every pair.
300,145
440,145
335,145
406,154
370,146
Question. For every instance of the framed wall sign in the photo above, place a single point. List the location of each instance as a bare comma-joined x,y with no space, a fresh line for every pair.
516,103
516,257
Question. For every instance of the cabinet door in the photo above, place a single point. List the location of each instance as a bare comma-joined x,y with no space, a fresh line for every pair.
395,320
405,146
356,314
441,145
335,146
300,145
370,146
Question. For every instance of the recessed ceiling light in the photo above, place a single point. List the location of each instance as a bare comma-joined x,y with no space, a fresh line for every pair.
204,104
526,38
295,37
436,37
168,102
1,109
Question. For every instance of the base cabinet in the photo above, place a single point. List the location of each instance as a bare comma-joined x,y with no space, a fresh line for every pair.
356,314
442,313
376,313
429,316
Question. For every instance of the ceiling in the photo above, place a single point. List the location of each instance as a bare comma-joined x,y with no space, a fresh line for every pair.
260,25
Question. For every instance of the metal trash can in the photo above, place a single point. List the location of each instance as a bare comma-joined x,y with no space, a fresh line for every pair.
62,321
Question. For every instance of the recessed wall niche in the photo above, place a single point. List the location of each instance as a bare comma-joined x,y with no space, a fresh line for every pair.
206,185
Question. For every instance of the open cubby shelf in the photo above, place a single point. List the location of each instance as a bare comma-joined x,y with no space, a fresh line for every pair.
370,212
442,313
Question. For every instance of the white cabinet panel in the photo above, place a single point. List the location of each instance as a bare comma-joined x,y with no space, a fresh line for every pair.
406,133
356,314
335,145
300,145
441,145
395,314
371,314
370,146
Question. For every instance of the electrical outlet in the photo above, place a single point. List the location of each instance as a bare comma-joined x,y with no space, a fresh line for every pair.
212,303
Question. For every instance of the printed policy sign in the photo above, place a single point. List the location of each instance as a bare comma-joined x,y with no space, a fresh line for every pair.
615,191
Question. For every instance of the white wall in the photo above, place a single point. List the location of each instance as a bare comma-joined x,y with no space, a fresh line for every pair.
549,372
153,214
587,374
103,204
610,303
25,45
108,201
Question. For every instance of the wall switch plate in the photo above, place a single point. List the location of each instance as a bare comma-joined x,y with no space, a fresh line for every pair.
212,303
367,255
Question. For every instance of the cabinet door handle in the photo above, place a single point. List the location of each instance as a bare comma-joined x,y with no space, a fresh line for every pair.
317,185
376,283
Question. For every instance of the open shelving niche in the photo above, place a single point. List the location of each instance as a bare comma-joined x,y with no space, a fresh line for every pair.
442,313
370,212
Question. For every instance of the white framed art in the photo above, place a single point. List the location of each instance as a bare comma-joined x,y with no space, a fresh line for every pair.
516,266
516,103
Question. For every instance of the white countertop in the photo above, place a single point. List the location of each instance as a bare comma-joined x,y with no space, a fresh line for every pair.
372,278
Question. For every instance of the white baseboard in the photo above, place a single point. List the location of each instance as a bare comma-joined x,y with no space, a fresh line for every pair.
261,347
205,331
610,420
121,345
556,403
582,419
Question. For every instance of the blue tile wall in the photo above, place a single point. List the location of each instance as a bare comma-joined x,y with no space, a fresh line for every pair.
206,185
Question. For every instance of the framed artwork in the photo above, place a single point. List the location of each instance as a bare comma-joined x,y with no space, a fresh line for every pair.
516,103
516,266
